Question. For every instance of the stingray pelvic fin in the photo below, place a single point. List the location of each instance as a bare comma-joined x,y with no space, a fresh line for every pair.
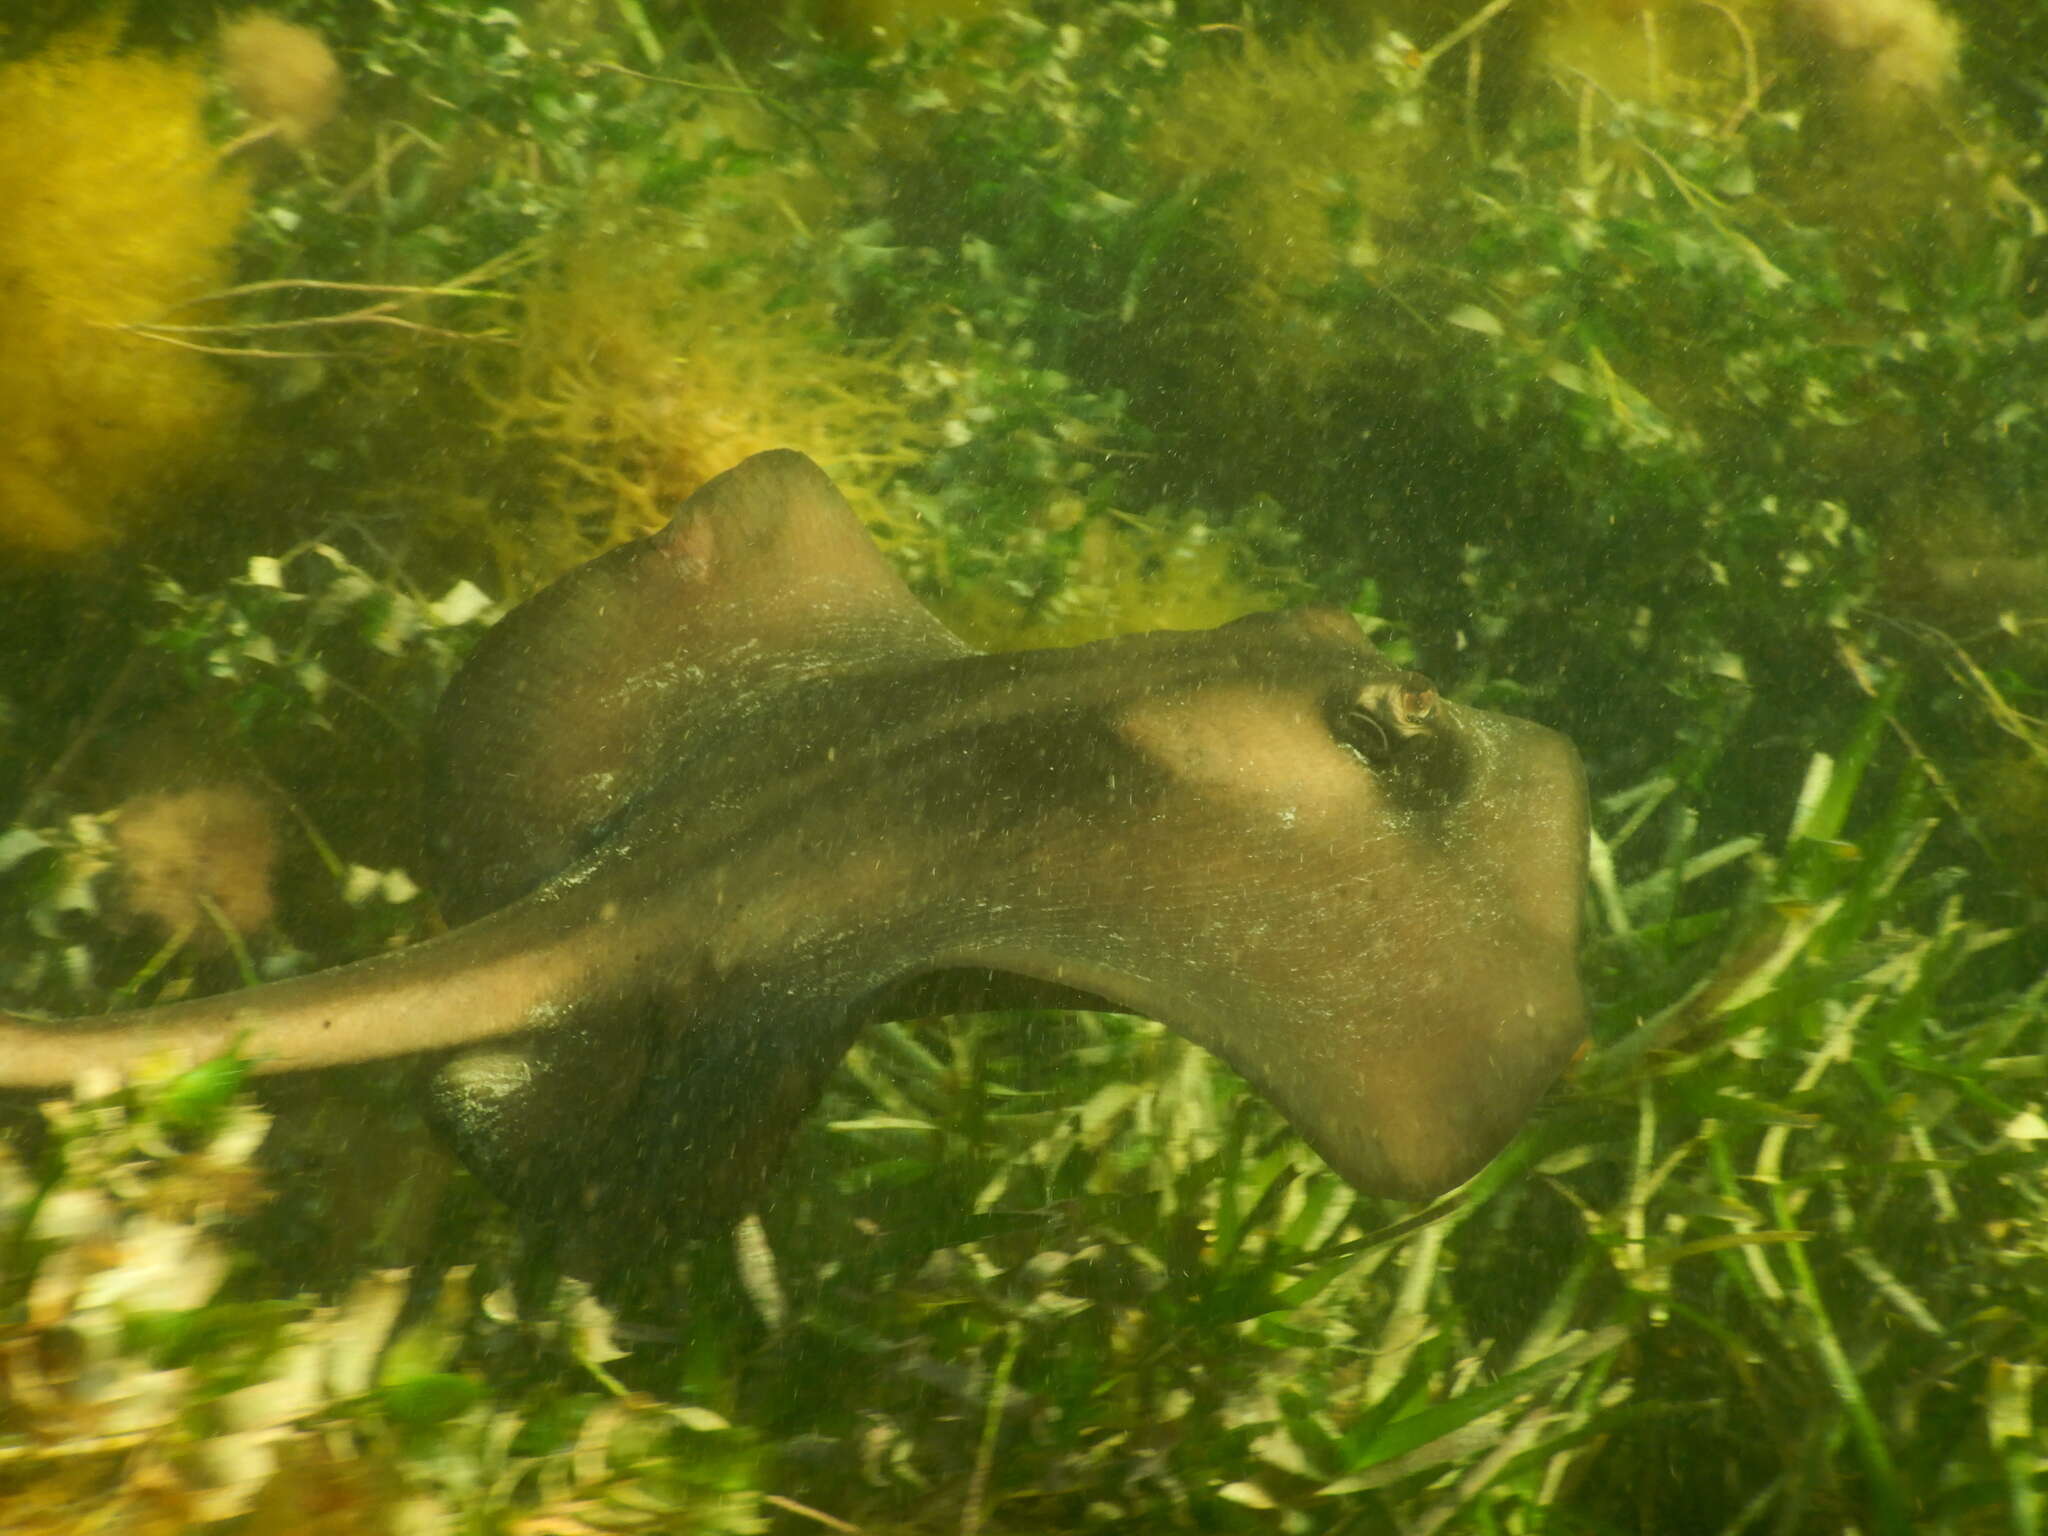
570,707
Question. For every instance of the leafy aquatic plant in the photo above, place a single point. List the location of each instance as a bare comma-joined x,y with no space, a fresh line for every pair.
300,648
144,1392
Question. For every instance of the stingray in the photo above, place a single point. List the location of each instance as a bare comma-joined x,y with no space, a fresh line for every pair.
712,803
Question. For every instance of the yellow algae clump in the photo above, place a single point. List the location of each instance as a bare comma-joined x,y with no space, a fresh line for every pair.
196,862
1868,61
1671,53
639,373
283,74
115,211
1315,172
1890,53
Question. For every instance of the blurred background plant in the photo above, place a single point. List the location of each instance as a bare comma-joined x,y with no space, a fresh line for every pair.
1667,371
124,213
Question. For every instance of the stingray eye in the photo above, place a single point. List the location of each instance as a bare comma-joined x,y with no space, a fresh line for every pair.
1376,720
1413,700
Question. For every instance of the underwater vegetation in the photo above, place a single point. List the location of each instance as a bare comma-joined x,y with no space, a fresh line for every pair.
197,863
121,212
1352,193
1666,371
283,76
643,367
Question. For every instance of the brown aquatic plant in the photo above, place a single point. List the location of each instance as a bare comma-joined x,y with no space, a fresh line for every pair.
283,74
198,862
